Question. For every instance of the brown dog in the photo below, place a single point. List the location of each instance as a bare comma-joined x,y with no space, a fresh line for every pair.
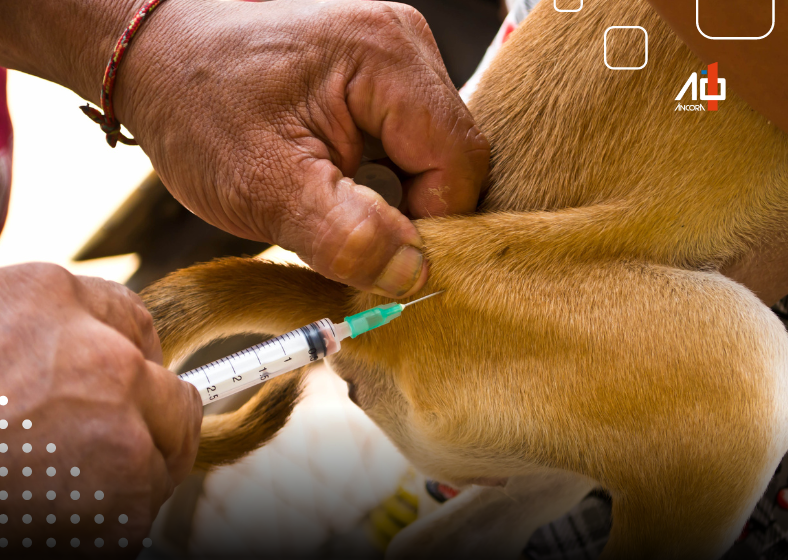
587,336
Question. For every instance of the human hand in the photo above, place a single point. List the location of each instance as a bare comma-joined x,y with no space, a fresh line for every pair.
80,359
252,116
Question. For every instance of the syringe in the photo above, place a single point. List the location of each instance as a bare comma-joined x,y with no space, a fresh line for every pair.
285,353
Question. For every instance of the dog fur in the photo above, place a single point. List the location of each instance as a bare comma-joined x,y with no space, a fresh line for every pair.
587,335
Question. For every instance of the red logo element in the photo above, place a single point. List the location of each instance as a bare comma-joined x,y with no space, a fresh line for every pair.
713,86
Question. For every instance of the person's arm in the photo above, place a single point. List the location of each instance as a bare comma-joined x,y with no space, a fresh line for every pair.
755,70
252,114
64,41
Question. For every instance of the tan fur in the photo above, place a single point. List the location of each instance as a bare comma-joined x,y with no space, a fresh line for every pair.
585,327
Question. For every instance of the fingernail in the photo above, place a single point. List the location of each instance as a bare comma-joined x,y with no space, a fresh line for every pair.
402,272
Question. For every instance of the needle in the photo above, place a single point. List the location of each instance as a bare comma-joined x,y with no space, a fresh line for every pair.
422,299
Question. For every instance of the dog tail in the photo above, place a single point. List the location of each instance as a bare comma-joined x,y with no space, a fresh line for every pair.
197,305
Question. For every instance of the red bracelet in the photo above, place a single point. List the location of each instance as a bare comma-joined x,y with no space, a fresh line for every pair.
109,124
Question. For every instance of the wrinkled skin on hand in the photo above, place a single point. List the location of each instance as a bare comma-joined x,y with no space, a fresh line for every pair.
255,122
80,359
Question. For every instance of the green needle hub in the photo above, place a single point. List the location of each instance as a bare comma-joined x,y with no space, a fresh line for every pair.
373,318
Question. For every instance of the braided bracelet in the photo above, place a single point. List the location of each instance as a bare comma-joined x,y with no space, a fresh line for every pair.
108,122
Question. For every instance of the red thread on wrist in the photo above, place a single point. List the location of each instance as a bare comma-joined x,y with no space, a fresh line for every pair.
109,124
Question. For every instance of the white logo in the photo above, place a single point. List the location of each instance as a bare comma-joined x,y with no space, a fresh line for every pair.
704,83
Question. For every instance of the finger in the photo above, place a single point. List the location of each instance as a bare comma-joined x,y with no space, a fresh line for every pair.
424,41
118,307
173,411
348,233
425,129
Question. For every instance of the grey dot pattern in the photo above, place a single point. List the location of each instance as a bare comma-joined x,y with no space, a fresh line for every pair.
51,495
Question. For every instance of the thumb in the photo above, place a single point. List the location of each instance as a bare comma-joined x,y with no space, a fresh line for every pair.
348,233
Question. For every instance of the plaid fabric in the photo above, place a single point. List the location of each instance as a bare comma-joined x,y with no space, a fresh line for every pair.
580,535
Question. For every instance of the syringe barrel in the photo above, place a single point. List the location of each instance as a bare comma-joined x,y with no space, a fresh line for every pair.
264,361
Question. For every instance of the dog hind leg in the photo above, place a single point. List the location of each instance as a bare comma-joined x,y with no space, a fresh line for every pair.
665,523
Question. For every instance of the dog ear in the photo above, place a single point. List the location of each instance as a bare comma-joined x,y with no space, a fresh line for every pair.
193,306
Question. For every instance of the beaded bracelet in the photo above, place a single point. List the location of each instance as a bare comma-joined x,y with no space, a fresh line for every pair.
108,122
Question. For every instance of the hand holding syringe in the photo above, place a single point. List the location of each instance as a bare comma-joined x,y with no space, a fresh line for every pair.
285,353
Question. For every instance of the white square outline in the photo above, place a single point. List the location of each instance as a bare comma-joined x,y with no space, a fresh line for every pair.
626,67
697,24
557,9
723,85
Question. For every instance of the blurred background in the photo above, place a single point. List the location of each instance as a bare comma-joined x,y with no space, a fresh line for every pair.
66,182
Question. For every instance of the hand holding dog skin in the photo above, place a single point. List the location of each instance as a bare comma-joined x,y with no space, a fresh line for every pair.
81,360
283,90
252,115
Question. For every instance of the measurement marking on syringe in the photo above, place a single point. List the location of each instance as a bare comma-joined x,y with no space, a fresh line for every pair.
304,346
214,366
256,348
